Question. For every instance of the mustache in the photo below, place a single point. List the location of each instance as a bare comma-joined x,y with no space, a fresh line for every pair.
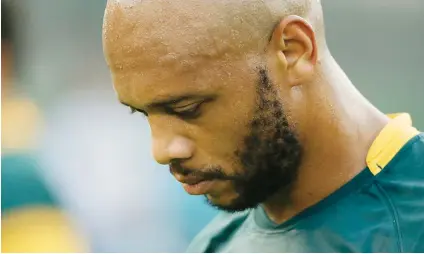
209,173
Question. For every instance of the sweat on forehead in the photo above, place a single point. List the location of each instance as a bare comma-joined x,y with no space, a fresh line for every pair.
176,29
166,31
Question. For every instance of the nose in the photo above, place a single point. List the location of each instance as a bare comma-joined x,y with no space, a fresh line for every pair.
167,149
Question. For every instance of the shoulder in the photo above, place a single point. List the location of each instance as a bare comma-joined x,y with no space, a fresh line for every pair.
398,145
219,226
409,161
402,182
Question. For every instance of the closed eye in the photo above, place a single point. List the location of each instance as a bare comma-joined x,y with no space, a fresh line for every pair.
188,112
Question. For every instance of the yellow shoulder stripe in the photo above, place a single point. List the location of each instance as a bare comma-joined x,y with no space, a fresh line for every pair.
389,142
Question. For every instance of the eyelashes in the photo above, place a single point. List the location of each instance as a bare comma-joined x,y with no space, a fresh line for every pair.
188,114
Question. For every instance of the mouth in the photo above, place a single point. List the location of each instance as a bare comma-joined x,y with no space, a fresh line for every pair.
190,180
194,185
200,188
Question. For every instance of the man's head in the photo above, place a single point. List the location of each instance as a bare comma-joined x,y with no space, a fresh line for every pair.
224,85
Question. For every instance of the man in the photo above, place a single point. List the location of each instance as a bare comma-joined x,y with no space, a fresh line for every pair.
249,108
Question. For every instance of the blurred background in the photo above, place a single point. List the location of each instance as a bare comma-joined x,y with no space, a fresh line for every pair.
77,174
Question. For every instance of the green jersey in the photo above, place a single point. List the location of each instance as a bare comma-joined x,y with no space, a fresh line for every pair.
379,210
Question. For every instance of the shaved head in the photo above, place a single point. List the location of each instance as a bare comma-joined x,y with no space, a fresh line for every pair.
199,29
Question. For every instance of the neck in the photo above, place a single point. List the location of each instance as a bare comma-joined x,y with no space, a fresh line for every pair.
339,134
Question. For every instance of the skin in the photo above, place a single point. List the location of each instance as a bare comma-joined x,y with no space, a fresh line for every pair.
216,54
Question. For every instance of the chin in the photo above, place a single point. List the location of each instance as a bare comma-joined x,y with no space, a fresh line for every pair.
221,199
228,202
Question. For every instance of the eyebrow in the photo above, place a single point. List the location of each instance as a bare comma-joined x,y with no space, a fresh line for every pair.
168,101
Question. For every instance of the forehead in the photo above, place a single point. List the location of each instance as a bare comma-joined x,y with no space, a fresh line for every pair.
161,32
153,44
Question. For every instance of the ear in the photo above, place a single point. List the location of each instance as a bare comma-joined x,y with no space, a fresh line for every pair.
295,49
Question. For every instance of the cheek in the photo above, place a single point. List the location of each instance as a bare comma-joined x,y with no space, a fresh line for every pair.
217,144
223,131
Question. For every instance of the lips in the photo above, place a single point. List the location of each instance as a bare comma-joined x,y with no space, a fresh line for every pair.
182,176
190,180
192,184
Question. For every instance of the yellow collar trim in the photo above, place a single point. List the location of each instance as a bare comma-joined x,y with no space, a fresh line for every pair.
390,140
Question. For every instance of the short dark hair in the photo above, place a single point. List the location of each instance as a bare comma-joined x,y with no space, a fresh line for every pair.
7,24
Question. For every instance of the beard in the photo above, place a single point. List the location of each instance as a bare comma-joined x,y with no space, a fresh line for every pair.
270,157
